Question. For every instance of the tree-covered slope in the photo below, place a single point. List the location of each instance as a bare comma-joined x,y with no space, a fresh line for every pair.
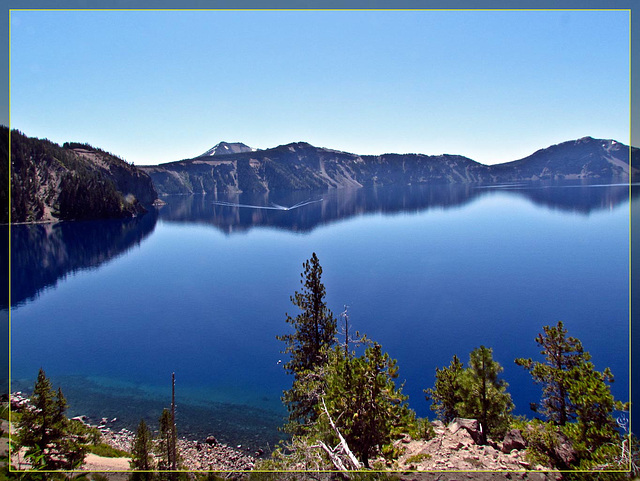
72,182
585,158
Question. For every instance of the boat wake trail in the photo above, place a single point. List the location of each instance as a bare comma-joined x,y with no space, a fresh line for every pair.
273,205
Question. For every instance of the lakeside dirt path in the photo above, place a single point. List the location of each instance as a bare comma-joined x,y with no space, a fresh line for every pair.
93,462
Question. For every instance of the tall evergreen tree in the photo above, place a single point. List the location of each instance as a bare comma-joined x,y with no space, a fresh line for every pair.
165,440
141,452
562,354
446,395
574,390
483,394
44,428
314,334
589,393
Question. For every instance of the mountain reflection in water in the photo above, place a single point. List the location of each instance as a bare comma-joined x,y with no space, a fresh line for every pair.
234,213
42,254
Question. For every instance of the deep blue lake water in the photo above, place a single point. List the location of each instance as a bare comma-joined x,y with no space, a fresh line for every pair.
111,308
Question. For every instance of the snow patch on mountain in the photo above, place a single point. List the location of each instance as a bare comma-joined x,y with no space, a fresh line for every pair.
225,148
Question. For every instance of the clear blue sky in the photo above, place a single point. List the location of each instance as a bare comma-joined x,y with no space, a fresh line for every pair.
158,86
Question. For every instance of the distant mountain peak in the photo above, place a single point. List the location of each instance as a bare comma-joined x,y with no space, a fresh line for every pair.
224,148
606,144
297,145
585,140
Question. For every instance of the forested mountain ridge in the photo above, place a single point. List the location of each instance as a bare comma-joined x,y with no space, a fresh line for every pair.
78,181
301,166
72,182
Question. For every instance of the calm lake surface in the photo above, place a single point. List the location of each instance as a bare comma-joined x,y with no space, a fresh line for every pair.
111,308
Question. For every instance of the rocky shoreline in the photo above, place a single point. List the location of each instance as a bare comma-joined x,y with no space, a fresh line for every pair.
196,455
454,447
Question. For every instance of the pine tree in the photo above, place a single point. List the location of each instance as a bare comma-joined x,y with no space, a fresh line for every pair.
165,440
308,345
362,398
589,393
141,449
446,395
561,354
44,428
483,394
574,390
473,392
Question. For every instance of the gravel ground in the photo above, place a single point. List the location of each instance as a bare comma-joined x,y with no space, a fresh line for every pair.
196,455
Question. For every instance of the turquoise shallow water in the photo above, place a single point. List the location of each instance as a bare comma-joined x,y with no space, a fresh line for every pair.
110,308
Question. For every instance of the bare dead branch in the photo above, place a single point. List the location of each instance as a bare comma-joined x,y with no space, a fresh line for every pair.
335,459
353,461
